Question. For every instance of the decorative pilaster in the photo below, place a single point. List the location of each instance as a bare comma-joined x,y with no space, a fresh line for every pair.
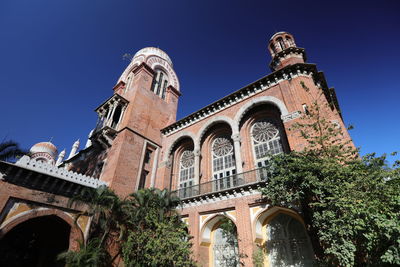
238,155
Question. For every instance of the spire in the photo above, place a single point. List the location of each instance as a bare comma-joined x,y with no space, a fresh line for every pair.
60,157
74,149
89,142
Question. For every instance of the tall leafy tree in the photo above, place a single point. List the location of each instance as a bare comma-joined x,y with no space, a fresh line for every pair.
350,205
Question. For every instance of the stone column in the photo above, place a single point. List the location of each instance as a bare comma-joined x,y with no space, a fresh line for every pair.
109,119
196,153
154,169
238,155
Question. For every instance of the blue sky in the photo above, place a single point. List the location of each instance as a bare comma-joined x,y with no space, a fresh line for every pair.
60,59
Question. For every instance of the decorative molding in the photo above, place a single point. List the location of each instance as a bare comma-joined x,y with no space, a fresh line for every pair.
219,196
60,173
286,73
291,116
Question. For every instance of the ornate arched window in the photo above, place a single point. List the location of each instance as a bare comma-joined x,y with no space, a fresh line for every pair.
160,83
223,162
266,140
287,243
186,172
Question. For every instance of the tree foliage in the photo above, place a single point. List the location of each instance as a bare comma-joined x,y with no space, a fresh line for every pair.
10,150
350,205
142,230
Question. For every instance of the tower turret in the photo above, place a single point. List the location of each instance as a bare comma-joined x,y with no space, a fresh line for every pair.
284,51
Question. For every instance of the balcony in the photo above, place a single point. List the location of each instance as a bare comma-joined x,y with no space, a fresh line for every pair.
237,181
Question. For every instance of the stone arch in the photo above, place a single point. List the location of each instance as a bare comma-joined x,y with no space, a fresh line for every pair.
76,234
217,119
128,70
179,137
210,224
258,101
173,78
270,213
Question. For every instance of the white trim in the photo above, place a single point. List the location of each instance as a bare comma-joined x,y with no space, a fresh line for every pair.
179,137
61,173
232,123
258,101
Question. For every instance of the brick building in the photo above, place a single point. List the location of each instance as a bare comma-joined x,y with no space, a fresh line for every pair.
213,158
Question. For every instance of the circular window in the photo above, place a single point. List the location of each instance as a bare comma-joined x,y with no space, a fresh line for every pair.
187,159
264,131
222,146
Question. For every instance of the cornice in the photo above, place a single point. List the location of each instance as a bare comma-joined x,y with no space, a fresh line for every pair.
144,66
263,84
290,50
115,97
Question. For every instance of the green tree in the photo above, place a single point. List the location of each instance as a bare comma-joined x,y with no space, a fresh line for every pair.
157,235
350,205
142,229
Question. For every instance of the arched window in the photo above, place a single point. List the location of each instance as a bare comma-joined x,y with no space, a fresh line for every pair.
281,43
287,243
116,117
225,248
266,140
223,163
289,41
186,173
160,83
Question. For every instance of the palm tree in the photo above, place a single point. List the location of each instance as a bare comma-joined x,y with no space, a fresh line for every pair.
109,213
9,150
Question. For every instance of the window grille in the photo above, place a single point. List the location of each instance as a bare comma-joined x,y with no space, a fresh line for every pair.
287,243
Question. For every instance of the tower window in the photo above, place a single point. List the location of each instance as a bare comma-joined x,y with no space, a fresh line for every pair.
281,43
160,83
289,41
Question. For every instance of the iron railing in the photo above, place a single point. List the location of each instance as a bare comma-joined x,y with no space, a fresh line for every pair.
225,183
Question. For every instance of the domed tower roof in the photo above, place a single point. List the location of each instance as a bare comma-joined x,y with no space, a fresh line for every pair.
44,151
147,52
155,58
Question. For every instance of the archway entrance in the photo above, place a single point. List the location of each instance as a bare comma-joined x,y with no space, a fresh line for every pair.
35,242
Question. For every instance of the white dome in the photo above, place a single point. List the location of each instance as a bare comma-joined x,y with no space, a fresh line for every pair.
44,147
146,52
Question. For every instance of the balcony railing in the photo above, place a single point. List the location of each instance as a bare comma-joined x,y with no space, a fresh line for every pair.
226,183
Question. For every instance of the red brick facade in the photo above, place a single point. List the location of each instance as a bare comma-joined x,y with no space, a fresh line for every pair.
144,144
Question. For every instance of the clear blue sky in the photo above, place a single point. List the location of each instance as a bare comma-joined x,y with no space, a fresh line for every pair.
60,59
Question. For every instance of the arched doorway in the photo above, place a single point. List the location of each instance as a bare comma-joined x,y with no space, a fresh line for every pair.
35,242
287,243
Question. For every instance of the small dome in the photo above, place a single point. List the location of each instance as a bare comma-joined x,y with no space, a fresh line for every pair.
44,147
151,51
